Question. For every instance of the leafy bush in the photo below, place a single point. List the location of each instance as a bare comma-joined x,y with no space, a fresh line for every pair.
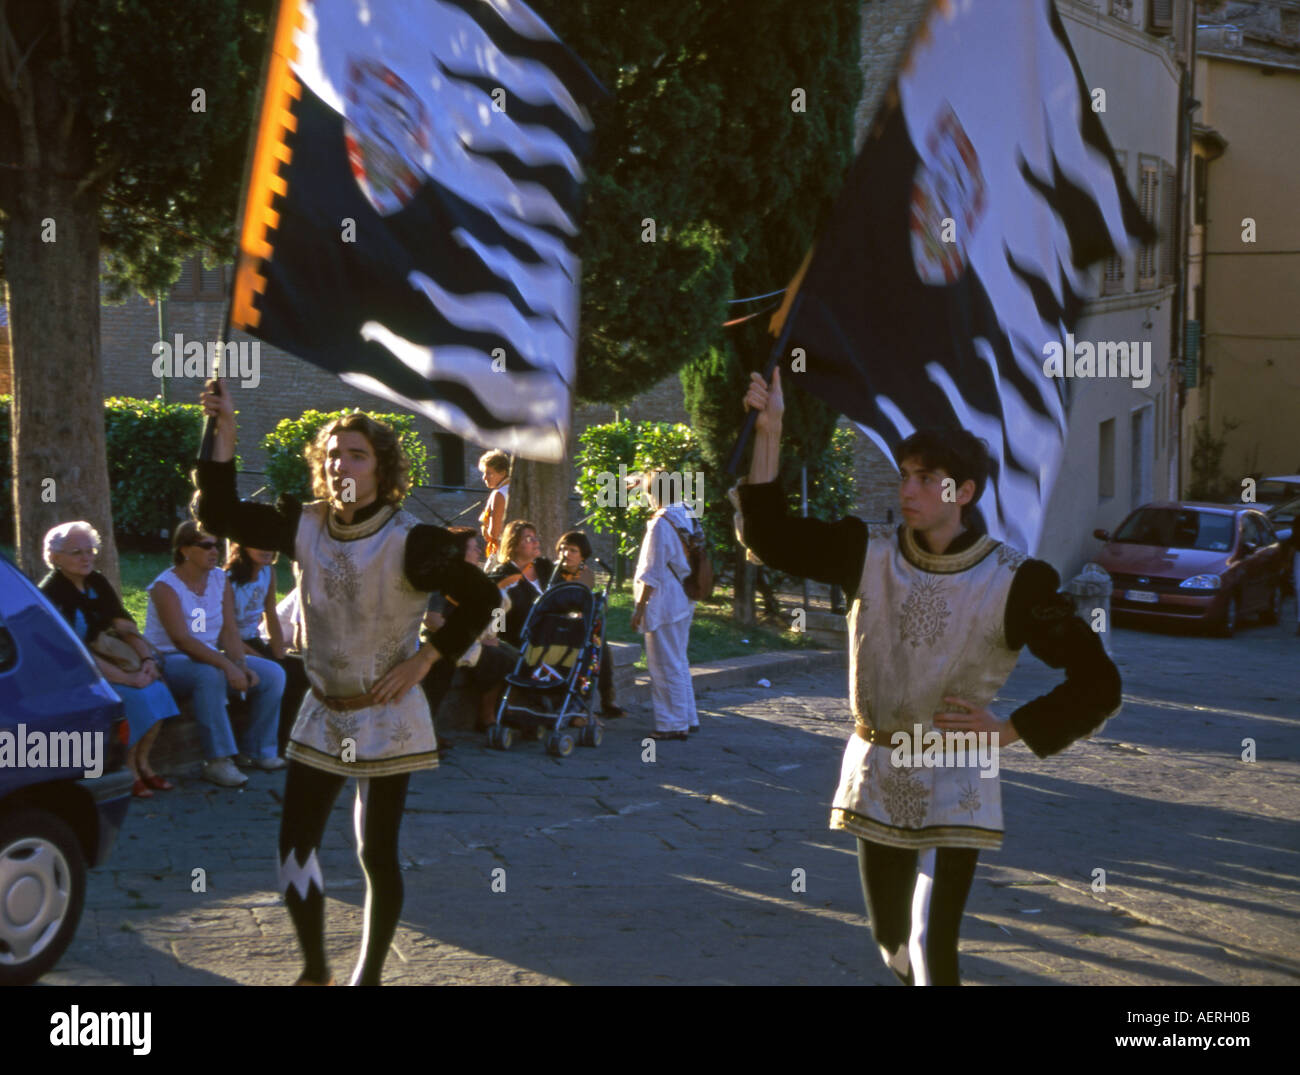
150,446
616,450
151,449
286,466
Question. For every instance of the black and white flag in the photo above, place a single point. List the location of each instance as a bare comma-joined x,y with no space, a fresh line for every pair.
410,216
961,246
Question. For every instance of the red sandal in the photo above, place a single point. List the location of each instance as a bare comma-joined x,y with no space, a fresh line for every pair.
141,790
159,783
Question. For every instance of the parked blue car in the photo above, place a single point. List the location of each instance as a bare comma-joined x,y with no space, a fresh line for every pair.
60,722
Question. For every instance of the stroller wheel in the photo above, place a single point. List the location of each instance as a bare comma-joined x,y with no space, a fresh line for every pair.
560,744
591,736
493,736
505,737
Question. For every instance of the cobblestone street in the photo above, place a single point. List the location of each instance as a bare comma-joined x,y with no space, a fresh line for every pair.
621,871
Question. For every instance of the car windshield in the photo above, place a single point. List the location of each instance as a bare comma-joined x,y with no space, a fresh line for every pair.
1284,513
1272,491
1179,528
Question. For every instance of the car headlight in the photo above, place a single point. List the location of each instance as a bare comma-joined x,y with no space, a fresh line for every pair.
1201,582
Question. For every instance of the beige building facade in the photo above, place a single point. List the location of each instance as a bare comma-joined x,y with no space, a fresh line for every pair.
1243,382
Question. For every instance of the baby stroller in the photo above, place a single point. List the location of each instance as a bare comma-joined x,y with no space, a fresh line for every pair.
555,677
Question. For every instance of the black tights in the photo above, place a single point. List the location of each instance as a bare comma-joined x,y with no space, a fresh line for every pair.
309,796
915,902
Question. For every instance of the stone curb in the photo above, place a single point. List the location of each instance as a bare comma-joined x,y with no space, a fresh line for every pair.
743,671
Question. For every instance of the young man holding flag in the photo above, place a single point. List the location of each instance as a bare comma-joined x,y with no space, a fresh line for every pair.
939,613
366,569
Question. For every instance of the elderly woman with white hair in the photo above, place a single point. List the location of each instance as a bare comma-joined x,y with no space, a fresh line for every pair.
663,611
91,606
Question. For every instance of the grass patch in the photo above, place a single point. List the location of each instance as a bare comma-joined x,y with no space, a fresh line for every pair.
715,636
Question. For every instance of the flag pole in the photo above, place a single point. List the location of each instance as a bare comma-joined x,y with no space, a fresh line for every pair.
733,468
210,424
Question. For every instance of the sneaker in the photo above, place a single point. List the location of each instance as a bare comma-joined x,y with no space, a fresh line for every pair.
270,764
222,771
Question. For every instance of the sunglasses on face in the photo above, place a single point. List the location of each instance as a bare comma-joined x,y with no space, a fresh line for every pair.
204,544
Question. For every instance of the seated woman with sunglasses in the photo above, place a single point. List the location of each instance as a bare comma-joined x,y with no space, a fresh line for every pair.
91,606
191,614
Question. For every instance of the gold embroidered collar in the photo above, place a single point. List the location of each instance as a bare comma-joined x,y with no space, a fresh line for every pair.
948,563
372,524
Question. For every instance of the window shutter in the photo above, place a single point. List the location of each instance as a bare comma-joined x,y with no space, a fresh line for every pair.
1191,354
1168,223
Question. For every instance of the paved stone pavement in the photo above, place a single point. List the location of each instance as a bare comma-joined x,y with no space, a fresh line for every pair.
622,871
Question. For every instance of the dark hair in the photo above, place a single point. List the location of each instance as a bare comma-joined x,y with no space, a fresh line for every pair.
392,467
513,534
240,566
462,536
186,534
578,538
961,454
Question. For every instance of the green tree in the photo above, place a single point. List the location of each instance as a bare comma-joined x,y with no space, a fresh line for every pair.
728,126
123,124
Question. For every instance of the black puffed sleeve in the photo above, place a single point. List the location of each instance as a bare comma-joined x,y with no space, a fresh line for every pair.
1043,619
258,526
434,561
806,548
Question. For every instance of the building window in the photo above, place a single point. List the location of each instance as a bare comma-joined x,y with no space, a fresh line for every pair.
1200,174
1148,201
451,459
1168,223
1140,453
1112,276
197,284
1106,460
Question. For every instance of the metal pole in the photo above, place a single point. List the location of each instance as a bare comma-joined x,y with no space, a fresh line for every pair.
803,506
162,333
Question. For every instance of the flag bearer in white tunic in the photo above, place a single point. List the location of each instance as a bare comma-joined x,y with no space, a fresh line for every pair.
940,613
366,569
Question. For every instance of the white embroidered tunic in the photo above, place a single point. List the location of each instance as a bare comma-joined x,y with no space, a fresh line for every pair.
360,618
922,628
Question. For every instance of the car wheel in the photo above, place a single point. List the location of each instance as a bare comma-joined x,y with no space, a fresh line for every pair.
1273,612
42,892
1228,621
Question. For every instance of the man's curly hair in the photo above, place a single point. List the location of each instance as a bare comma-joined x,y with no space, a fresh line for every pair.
392,467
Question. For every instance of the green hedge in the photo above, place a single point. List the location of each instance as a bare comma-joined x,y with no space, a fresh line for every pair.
150,448
286,467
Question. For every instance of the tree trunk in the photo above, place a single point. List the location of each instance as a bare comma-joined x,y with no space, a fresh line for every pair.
539,494
743,595
60,462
